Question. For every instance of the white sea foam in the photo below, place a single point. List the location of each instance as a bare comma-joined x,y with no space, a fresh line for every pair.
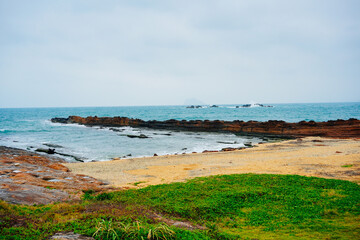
48,122
102,143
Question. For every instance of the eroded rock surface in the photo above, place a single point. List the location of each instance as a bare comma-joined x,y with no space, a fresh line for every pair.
30,178
338,128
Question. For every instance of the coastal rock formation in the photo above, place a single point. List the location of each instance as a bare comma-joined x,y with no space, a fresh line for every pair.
52,151
137,136
337,128
30,178
194,106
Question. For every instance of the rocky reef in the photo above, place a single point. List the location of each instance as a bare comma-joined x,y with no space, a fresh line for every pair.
333,128
31,178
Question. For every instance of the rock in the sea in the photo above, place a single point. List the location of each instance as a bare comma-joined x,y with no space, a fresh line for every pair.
48,151
164,134
271,128
227,142
60,120
193,106
248,144
52,151
137,136
116,129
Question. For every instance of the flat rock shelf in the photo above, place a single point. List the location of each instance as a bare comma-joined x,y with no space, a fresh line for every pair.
333,128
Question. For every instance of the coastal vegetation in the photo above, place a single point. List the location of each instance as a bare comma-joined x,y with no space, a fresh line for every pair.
245,206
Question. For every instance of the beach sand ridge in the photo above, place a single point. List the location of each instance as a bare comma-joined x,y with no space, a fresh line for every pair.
310,156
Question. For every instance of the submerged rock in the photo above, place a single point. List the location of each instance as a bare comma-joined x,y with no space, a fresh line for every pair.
248,144
52,151
227,142
137,136
116,129
164,134
48,151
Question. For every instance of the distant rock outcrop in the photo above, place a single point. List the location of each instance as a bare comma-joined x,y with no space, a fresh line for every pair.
253,105
338,128
195,106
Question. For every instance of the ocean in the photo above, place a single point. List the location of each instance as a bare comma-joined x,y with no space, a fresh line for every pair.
30,128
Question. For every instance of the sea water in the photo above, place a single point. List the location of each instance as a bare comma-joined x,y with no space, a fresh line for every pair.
30,128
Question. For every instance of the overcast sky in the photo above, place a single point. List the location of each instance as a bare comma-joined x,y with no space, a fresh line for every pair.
124,53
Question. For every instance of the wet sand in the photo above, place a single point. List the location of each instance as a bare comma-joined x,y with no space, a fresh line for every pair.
311,156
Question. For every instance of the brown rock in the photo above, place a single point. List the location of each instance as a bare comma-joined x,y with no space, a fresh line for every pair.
228,149
339,128
209,151
29,178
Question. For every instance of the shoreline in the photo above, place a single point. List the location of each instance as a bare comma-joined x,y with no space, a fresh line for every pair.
28,177
310,156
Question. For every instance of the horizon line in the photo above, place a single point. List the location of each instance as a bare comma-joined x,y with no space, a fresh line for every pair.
222,104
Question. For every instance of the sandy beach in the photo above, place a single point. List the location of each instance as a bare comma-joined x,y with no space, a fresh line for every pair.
311,156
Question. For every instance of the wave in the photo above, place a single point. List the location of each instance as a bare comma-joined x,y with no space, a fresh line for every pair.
7,131
23,130
48,122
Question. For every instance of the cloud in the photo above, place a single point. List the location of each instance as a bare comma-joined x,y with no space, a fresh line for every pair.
163,52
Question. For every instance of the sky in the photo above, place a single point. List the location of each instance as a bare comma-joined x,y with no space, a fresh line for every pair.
66,53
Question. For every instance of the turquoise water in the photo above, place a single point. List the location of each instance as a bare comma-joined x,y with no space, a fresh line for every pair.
30,128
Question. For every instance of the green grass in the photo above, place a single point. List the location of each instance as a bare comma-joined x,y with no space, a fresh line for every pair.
137,183
246,206
346,166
